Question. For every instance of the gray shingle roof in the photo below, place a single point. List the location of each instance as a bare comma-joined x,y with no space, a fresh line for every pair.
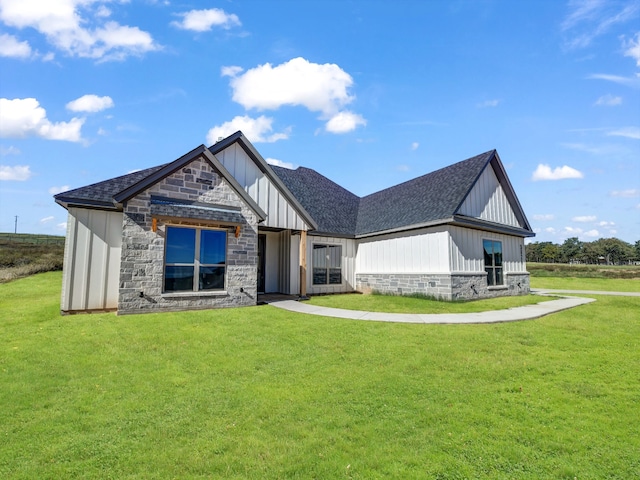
102,193
429,198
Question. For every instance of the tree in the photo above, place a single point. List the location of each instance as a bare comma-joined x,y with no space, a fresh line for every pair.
571,249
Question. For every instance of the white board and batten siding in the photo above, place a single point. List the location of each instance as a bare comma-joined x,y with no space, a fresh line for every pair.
91,271
467,253
280,214
421,251
488,201
347,264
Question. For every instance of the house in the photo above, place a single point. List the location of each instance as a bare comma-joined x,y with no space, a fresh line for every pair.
218,226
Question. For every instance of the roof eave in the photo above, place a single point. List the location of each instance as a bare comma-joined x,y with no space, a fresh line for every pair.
479,224
67,202
415,226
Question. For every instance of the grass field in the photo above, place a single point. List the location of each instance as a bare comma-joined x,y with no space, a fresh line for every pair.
264,393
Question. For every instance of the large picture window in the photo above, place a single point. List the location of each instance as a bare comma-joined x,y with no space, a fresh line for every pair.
493,262
327,264
195,259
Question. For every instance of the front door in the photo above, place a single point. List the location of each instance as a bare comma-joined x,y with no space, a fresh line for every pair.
262,247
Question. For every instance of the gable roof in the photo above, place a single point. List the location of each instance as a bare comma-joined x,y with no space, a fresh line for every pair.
111,194
431,199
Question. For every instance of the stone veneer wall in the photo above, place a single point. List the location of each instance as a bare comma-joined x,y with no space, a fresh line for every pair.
142,259
446,286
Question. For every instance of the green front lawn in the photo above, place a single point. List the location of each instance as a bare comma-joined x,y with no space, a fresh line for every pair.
577,283
265,393
403,304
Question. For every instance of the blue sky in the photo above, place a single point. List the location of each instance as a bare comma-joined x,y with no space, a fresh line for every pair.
368,93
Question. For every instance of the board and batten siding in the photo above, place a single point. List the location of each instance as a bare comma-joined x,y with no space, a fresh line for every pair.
91,271
348,265
280,213
421,251
488,201
467,254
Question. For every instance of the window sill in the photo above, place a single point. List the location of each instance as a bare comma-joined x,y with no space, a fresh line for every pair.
217,293
498,287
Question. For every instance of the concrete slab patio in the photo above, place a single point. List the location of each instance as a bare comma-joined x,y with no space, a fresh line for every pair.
527,312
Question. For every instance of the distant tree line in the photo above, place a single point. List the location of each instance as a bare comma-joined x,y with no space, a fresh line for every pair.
608,251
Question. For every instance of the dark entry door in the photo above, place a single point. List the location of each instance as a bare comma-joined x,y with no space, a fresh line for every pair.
262,247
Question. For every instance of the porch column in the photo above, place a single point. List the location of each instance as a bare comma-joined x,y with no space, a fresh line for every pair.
303,263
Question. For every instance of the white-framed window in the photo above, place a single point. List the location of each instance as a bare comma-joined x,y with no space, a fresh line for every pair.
493,262
326,261
194,259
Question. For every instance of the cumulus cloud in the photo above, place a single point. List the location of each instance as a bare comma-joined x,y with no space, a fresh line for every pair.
24,117
585,218
344,122
204,20
56,190
550,230
90,103
62,226
78,27
633,48
323,88
592,233
257,130
544,217
630,193
10,46
544,172
606,224
627,132
18,173
230,70
280,163
572,231
608,100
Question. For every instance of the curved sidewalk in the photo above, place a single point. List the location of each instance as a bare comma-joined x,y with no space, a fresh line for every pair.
526,312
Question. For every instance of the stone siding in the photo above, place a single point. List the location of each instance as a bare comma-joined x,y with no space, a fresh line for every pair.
445,286
142,259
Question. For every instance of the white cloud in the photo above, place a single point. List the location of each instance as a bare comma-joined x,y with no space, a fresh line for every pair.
47,219
24,117
631,193
550,230
90,103
344,122
608,100
627,132
488,103
592,233
544,172
255,129
77,28
544,217
403,168
414,146
10,46
591,18
585,218
298,82
633,49
19,173
56,190
322,88
10,150
627,81
280,163
62,226
572,231
606,224
203,20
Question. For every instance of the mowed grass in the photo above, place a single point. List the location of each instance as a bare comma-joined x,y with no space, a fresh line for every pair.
578,283
264,393
405,304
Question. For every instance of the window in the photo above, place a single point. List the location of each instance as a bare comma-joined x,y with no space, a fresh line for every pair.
326,262
493,262
195,259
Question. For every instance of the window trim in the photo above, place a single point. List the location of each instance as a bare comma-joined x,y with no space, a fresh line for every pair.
493,267
313,267
196,263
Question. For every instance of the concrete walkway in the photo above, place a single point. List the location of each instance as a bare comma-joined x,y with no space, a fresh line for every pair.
527,312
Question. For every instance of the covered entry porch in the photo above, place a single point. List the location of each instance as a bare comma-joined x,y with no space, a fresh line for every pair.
282,262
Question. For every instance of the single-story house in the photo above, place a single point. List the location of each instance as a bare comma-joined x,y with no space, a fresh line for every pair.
219,225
